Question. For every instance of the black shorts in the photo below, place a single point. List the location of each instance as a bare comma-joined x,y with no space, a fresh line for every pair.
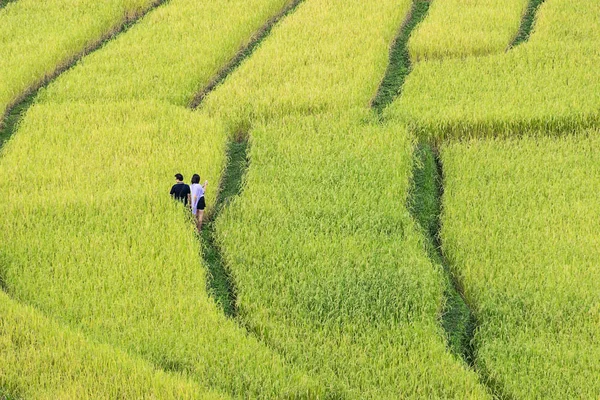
201,204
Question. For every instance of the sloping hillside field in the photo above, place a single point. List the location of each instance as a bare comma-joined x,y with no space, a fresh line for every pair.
402,201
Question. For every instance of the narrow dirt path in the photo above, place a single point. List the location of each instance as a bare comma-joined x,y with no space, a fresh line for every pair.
425,204
399,66
425,199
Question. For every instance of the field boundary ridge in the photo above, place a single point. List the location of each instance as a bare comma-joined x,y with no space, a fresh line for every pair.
527,23
399,65
243,53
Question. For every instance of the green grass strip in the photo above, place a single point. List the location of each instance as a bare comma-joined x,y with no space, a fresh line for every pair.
14,114
11,121
399,66
425,198
424,204
220,284
527,23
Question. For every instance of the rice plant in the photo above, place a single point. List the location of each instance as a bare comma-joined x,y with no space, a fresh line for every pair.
39,358
520,227
42,37
94,241
549,84
329,266
458,28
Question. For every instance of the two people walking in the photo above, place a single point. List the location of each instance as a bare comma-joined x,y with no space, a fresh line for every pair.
191,196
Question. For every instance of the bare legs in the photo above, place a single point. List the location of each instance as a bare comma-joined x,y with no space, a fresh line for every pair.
199,216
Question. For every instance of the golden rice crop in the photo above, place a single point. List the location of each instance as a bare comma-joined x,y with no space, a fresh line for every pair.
38,37
93,238
520,226
458,28
41,359
549,83
329,267
297,72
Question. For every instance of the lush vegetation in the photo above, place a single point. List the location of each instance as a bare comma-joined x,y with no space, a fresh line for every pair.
459,28
32,48
356,302
549,84
334,245
93,240
41,359
520,225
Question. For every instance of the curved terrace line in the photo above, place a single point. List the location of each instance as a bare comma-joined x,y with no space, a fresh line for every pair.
243,53
220,283
399,66
425,203
527,23
426,197
17,109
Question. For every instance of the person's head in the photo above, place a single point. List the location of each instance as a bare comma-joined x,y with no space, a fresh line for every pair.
195,178
179,177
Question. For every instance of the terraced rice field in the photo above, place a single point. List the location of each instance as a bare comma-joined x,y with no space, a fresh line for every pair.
402,200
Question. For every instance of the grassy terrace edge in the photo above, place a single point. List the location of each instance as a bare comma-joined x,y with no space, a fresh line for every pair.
424,200
244,52
17,109
425,205
220,283
527,23
399,65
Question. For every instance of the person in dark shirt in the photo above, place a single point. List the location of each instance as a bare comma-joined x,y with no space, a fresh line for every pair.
181,191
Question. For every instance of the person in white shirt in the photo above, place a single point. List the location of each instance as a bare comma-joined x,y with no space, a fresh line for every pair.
198,202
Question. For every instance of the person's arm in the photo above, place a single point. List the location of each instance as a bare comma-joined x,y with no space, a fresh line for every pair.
205,184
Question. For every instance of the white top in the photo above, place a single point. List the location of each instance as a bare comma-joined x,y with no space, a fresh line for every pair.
197,192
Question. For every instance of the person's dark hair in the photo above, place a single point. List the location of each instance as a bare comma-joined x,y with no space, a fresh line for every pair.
195,178
179,177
